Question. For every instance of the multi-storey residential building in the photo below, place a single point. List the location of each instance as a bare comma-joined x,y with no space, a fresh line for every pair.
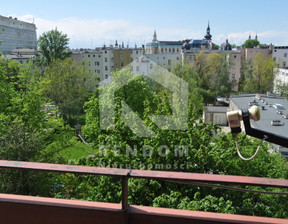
167,61
15,34
280,55
103,61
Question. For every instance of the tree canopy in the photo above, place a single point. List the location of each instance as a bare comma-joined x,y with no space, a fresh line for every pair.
250,43
67,83
197,150
31,130
53,45
258,74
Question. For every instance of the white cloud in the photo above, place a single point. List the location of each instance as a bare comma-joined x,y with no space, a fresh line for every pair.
266,37
96,32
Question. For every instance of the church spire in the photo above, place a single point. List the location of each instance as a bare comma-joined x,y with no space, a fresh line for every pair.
256,37
208,36
249,36
154,36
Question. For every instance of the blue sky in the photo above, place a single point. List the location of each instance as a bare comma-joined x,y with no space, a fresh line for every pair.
92,23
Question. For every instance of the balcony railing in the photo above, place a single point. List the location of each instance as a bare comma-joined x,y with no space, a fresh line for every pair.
28,209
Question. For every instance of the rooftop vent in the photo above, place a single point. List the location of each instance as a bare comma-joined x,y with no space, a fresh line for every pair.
263,108
253,103
277,123
278,106
279,112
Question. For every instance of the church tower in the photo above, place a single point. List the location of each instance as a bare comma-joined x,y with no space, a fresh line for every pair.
154,37
208,36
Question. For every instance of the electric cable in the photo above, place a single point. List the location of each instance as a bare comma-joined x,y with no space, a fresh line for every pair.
256,152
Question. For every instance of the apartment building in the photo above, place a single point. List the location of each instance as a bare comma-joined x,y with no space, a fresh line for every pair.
103,61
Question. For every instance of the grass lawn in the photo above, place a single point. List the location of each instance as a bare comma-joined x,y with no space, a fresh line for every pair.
77,151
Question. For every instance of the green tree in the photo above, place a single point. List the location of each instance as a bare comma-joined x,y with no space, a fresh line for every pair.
53,45
250,43
282,89
208,77
206,154
26,130
68,84
261,78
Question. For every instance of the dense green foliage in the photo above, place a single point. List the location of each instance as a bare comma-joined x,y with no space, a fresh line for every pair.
53,45
258,74
31,131
206,153
68,84
282,89
27,133
250,43
208,77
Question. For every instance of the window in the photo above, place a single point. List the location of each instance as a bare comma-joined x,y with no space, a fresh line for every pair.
136,52
284,63
275,50
93,55
169,62
106,59
106,76
88,55
122,64
121,56
105,52
285,55
137,68
106,68
151,66
177,58
131,59
233,76
234,56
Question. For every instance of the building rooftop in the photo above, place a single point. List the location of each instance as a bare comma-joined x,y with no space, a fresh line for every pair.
272,108
216,109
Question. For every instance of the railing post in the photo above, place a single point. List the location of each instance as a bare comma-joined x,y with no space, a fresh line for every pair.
125,197
124,193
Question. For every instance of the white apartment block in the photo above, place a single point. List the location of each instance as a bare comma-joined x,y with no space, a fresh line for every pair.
280,55
103,61
167,61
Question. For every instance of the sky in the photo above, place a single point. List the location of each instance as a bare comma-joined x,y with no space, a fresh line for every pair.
92,23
